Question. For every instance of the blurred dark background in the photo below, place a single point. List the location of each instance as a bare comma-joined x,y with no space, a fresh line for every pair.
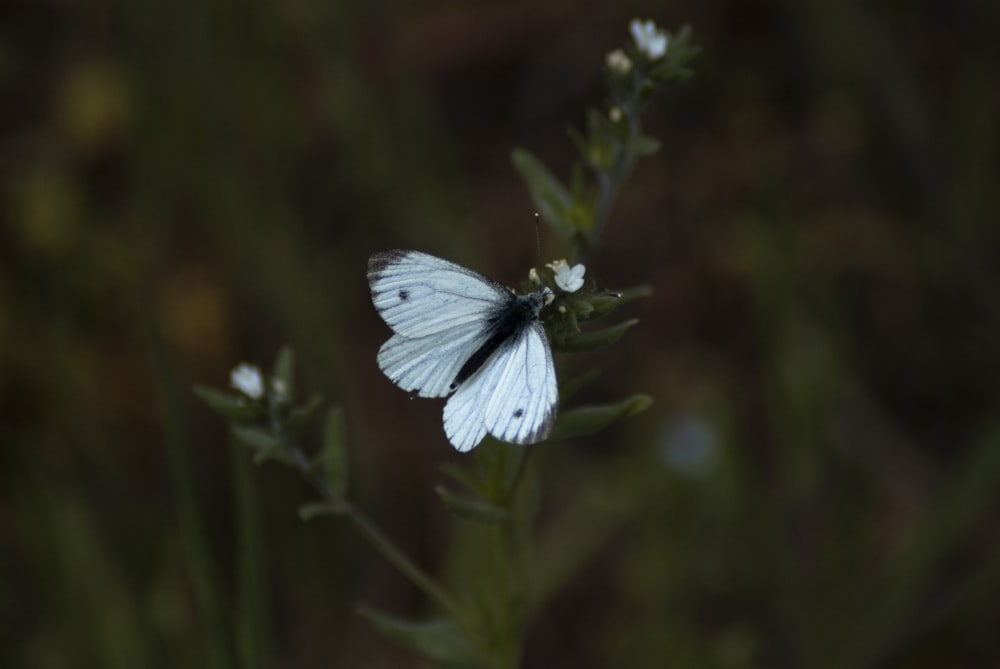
191,184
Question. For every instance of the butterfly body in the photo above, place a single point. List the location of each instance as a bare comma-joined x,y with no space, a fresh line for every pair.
508,321
462,335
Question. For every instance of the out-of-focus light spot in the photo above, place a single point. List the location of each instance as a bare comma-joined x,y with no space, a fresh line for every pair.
689,446
94,105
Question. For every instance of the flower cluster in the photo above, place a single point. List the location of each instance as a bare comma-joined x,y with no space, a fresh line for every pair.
649,39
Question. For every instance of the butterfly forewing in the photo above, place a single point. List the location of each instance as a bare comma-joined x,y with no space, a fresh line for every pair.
419,295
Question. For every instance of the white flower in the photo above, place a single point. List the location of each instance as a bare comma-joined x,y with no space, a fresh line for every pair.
651,40
247,379
568,278
615,114
618,62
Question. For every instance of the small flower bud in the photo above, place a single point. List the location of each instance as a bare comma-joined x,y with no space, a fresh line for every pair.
618,62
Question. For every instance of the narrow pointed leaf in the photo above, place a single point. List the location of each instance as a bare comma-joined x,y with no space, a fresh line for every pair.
283,376
299,416
589,341
441,641
576,384
600,141
643,145
464,476
580,140
590,419
602,303
335,450
264,445
228,405
471,508
551,198
277,454
256,438
317,509
634,293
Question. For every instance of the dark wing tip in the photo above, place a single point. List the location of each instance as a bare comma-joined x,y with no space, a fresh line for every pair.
382,259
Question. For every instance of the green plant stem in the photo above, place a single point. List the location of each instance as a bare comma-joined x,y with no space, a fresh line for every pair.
610,181
381,542
522,464
962,503
250,624
200,563
513,568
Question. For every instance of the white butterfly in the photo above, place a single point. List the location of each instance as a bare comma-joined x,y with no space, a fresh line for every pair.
459,333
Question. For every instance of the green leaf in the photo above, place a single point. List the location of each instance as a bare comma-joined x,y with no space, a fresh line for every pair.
601,141
602,303
440,640
561,320
283,376
335,450
583,146
581,216
607,301
228,405
634,293
576,384
580,308
643,145
578,184
299,416
317,509
680,52
589,341
264,444
474,509
256,438
464,476
551,198
590,419
671,72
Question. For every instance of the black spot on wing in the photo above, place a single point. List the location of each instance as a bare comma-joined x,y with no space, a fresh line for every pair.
404,295
518,413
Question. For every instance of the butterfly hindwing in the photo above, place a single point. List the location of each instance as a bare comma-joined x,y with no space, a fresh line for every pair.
512,397
523,406
428,365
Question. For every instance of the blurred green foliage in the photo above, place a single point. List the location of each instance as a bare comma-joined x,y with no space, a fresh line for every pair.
189,184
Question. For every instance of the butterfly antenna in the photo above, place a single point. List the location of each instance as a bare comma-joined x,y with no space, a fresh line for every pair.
538,240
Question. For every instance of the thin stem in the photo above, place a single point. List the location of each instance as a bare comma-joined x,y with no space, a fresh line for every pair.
515,481
381,542
513,569
610,181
